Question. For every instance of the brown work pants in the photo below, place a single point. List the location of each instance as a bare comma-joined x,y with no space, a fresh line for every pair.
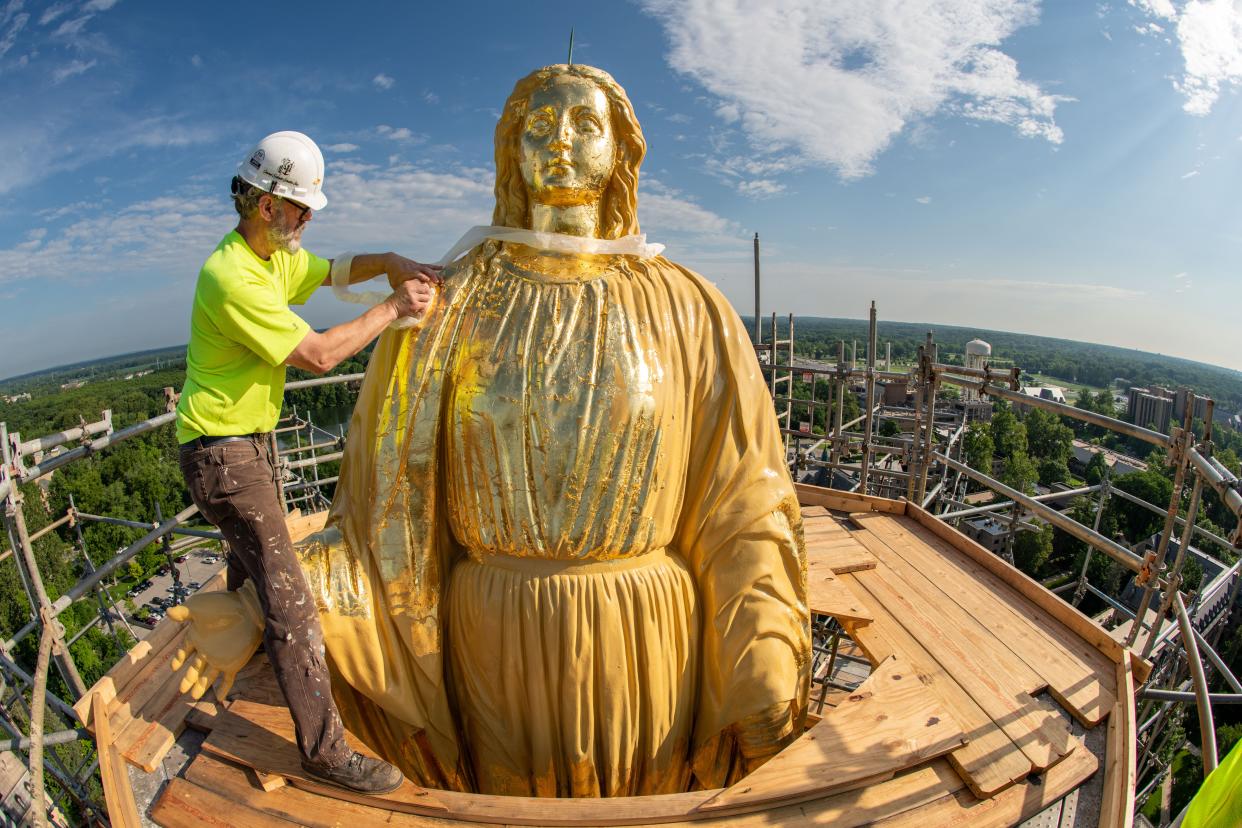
234,486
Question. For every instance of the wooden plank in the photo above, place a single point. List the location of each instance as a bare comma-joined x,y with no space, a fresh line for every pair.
1030,589
937,604
809,512
839,558
132,667
1009,807
1117,801
297,805
990,761
301,526
839,501
261,737
185,805
890,722
828,595
118,794
267,781
148,746
1079,676
1038,731
913,789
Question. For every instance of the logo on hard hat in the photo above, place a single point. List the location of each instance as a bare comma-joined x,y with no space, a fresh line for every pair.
257,158
286,167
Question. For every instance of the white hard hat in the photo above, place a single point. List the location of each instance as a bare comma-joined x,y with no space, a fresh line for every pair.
287,164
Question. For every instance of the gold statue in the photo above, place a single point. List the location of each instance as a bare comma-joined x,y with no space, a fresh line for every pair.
565,555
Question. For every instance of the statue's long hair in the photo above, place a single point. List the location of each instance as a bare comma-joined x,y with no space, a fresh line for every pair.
619,207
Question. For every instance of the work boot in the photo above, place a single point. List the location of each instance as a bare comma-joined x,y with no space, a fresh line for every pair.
360,774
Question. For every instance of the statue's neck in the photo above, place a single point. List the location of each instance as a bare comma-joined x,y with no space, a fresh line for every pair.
573,220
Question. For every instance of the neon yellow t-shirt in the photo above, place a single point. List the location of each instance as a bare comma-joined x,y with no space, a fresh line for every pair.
241,332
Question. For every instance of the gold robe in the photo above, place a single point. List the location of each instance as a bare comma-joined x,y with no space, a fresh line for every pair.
565,555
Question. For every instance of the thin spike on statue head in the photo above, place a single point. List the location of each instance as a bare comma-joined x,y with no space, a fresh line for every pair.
570,61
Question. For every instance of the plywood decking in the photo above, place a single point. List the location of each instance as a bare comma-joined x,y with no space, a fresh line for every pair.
959,723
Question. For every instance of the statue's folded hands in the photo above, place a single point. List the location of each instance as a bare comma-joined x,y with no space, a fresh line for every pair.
224,630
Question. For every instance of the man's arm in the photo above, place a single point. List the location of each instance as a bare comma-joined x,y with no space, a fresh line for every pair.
367,266
321,352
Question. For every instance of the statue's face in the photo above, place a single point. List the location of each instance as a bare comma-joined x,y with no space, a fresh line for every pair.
568,147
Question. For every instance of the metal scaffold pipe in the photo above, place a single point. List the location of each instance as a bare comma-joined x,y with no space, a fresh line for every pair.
1207,730
1111,423
1111,548
88,583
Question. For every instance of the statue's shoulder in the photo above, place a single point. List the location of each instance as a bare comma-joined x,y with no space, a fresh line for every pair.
701,294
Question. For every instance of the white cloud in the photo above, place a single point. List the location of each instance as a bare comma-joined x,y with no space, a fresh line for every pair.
383,81
1190,174
834,83
760,188
99,5
1209,34
15,25
923,199
54,12
196,61
370,207
74,67
431,97
401,134
341,147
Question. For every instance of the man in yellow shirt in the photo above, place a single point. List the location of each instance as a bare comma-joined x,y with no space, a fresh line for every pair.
242,335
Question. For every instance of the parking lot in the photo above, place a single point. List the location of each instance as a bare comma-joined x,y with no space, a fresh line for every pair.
195,569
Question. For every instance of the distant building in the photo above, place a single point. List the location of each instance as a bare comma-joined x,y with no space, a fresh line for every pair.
1150,407
15,398
894,391
1045,392
988,532
1082,452
1160,407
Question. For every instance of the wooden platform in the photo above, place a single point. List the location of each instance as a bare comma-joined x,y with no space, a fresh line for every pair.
964,720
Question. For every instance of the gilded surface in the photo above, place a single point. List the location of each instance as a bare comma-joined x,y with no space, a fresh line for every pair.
565,557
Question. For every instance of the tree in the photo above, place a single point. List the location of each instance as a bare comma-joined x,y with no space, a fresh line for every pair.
1048,437
1031,550
1096,468
1136,522
1008,435
1019,473
1052,470
978,447
889,428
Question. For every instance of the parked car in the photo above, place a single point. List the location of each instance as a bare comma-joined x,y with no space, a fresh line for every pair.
194,586
149,622
180,559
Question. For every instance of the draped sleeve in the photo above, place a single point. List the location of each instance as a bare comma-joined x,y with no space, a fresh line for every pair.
378,569
740,530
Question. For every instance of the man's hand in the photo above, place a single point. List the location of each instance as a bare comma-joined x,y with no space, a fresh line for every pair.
400,269
412,297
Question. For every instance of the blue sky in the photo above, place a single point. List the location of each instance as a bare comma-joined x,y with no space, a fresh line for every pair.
1064,168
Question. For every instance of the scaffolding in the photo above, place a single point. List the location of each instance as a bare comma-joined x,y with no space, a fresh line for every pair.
37,719
1183,654
922,462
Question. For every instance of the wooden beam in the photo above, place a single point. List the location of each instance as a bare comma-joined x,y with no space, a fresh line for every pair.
890,722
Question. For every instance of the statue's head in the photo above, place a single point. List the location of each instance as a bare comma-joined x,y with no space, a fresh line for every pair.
568,136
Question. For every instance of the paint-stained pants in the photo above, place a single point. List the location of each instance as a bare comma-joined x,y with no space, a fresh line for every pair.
234,486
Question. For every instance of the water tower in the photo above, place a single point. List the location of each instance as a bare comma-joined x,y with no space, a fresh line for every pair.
977,354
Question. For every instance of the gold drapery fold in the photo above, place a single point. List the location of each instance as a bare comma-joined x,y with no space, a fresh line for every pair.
712,487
